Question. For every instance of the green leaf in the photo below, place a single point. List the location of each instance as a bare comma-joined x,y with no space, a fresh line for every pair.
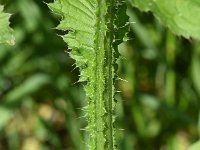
181,16
6,33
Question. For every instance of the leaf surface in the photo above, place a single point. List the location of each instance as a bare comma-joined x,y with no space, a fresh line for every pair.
6,33
180,16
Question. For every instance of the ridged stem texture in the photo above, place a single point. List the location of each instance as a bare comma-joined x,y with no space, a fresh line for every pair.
96,28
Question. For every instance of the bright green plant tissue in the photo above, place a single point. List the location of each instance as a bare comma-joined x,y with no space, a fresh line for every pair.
181,16
6,33
96,28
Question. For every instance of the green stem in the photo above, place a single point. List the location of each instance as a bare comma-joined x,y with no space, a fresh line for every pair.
96,28
109,92
99,77
103,130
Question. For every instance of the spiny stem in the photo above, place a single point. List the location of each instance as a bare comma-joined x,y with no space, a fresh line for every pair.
103,131
99,76
109,91
93,26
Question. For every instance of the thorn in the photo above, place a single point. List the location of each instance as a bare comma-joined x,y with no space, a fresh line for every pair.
83,108
74,67
118,91
122,79
68,51
59,35
83,129
76,82
131,22
121,129
81,117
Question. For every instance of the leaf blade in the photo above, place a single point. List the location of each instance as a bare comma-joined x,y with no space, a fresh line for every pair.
6,33
180,16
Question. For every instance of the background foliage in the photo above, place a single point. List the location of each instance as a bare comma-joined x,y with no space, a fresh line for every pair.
41,103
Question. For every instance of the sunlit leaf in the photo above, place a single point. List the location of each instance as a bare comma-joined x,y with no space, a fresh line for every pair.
181,16
6,33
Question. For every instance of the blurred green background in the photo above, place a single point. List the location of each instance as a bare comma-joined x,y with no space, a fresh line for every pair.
41,103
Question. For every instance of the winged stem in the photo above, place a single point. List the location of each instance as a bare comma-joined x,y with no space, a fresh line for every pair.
95,31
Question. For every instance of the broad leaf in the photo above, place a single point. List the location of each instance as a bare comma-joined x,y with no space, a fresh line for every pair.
181,16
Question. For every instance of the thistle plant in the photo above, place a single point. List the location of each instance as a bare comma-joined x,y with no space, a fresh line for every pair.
95,29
